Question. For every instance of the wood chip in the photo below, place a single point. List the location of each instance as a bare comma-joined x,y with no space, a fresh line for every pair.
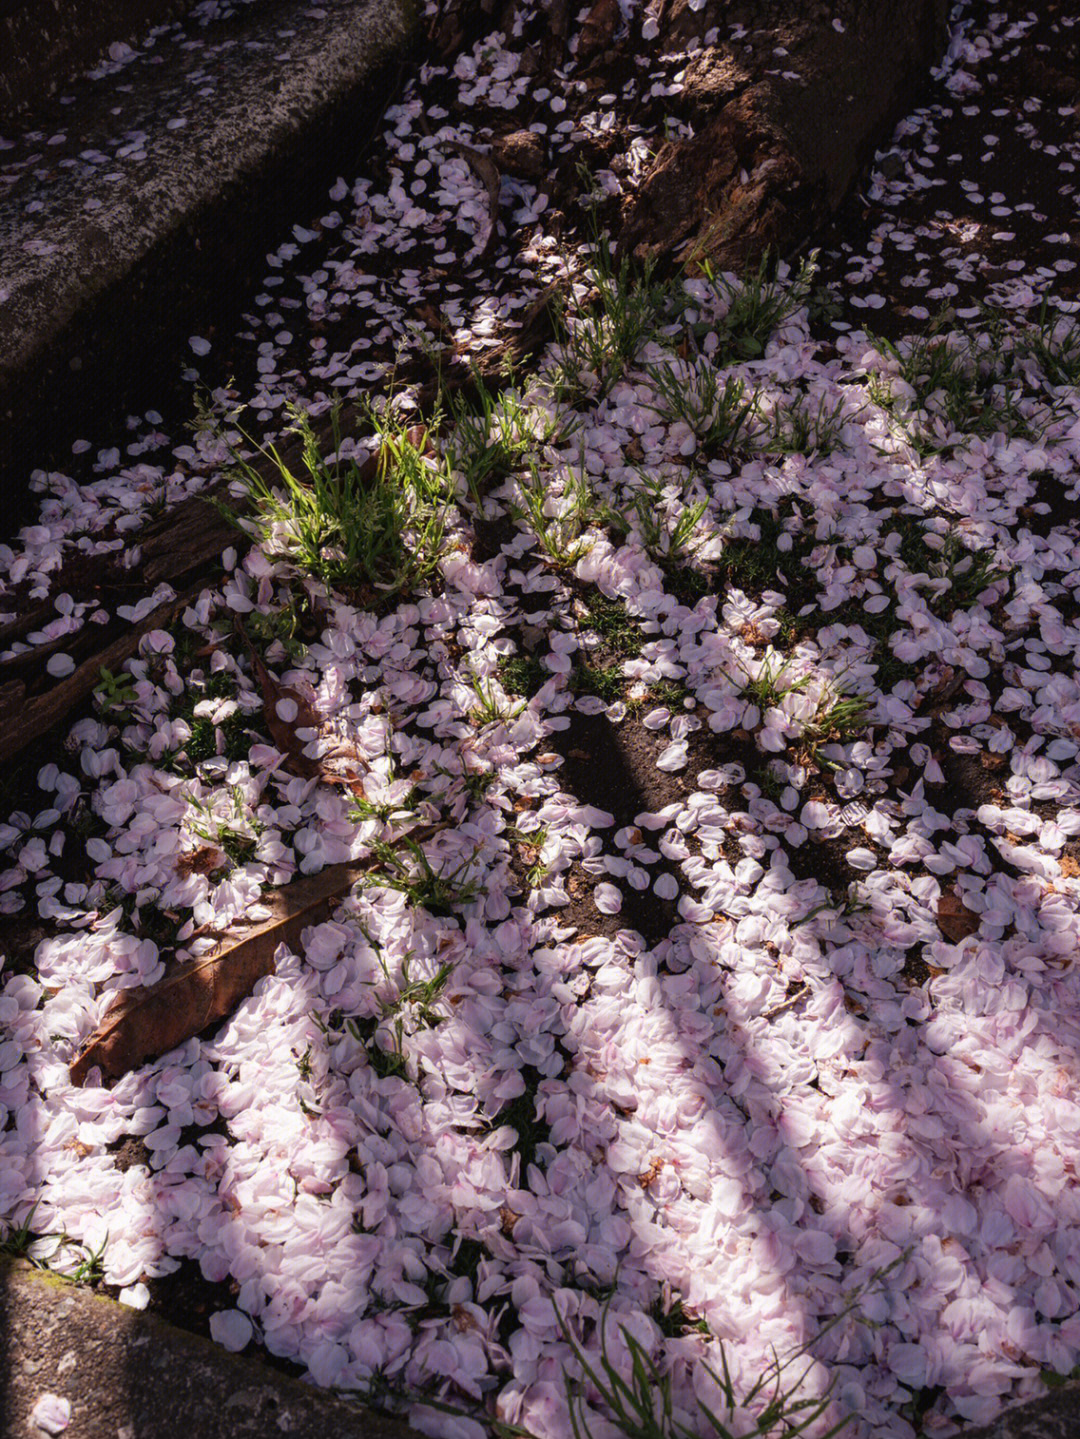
149,1020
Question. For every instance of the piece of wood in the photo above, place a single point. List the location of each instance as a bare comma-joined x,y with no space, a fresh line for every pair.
149,1020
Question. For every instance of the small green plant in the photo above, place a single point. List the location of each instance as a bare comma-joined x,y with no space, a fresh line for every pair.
799,428
669,528
91,1266
115,694
19,1237
437,891
376,525
757,305
492,436
720,415
20,1242
413,1004
961,384
557,520
607,683
642,1407
767,688
490,707
267,627
236,834
963,573
672,693
838,719
1053,342
532,842
612,621
603,339
398,807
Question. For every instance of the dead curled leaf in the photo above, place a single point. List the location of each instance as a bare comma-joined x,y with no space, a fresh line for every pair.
955,920
149,1020
485,167
283,729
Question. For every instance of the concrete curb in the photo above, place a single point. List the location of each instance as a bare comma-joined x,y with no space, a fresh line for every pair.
129,1375
44,42
1056,1416
102,283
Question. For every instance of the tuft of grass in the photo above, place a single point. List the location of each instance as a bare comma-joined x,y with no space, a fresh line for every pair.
489,708
761,563
839,718
758,304
767,688
799,428
961,384
667,538
1053,342
437,891
557,520
236,835
377,525
522,675
614,624
411,1008
602,339
607,683
642,1406
966,573
492,436
115,695
720,415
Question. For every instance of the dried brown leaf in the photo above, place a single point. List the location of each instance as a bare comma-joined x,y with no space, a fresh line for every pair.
488,171
147,1021
283,731
955,920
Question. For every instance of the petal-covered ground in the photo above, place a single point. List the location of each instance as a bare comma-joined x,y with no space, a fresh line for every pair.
724,1003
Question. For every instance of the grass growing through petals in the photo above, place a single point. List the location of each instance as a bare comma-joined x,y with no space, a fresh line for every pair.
758,305
493,435
557,521
522,675
642,1405
799,428
377,524
768,687
606,682
614,624
959,385
1053,342
775,557
720,415
600,340
964,573
839,718
670,530
438,891
410,1009
489,708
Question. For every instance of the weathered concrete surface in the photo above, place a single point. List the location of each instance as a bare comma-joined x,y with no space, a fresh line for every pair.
43,42
1057,1416
130,1376
106,268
